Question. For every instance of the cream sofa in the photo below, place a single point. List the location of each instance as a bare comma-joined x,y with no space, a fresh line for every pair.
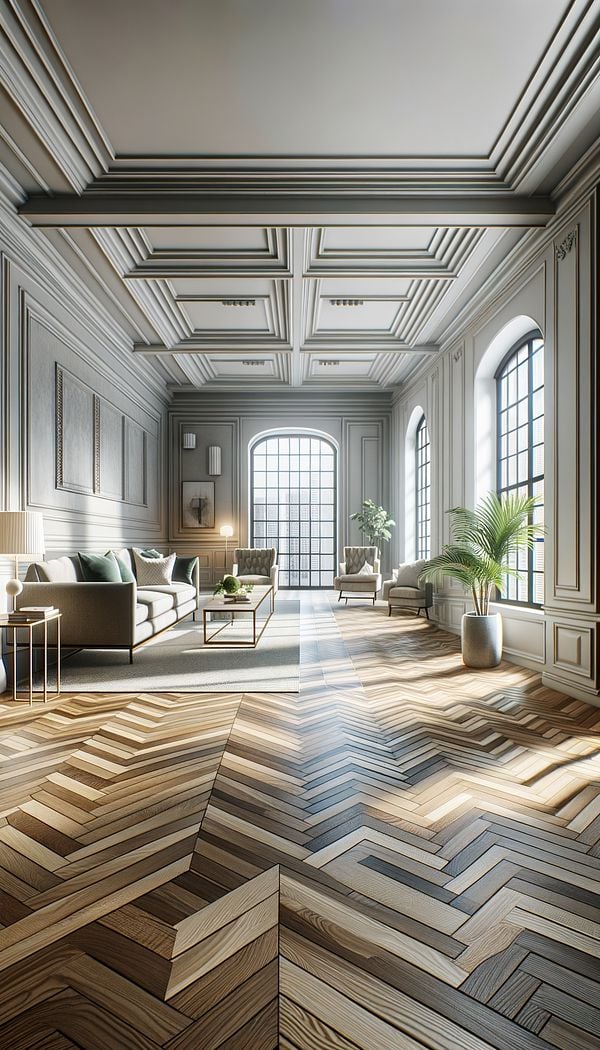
106,615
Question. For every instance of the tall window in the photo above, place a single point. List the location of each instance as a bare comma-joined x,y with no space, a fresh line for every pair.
293,501
423,489
520,453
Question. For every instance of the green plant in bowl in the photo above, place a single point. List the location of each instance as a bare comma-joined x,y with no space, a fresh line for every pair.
227,585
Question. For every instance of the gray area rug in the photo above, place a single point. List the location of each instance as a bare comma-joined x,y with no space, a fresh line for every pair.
178,661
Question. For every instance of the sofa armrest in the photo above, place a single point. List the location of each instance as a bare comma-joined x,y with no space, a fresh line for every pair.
377,565
100,614
342,568
234,569
274,574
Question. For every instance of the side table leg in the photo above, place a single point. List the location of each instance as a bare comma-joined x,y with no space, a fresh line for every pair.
14,634
58,655
31,666
45,660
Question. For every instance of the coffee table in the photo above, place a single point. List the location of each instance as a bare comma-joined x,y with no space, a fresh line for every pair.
222,603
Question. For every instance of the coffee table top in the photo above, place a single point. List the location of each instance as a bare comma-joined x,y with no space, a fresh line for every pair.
221,601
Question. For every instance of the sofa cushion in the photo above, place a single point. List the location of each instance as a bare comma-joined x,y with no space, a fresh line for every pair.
150,571
156,602
184,570
179,592
413,593
409,572
99,568
355,558
255,579
124,555
58,570
141,614
351,581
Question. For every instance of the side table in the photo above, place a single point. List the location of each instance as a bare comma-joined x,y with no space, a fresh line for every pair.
29,625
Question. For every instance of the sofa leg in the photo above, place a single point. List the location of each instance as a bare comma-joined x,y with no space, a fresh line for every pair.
131,656
374,598
426,612
346,601
389,610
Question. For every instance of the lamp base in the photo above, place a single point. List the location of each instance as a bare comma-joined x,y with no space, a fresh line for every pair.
13,588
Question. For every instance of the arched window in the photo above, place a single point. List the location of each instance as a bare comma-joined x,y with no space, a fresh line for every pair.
520,453
293,506
423,489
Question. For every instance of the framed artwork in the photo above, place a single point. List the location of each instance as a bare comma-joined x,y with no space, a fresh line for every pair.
198,504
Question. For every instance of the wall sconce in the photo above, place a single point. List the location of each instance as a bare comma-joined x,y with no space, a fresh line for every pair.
188,440
214,460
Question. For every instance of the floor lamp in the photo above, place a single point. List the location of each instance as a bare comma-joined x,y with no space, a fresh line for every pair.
21,535
226,531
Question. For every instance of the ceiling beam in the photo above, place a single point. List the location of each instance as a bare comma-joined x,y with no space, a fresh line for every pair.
110,209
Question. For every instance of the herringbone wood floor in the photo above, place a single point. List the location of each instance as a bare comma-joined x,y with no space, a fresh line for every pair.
405,854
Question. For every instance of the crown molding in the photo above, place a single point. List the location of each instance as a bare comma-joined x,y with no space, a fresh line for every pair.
37,256
41,84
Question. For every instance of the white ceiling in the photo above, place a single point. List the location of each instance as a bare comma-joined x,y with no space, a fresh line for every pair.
135,124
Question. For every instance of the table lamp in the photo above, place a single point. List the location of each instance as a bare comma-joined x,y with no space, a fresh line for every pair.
21,534
226,531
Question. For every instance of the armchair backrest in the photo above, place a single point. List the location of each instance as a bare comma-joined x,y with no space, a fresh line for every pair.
355,558
255,561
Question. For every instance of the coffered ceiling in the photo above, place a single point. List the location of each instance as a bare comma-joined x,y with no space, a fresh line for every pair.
292,195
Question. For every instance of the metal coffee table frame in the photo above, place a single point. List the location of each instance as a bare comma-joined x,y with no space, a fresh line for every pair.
233,608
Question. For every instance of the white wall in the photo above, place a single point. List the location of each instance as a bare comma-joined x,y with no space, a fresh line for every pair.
357,424
552,291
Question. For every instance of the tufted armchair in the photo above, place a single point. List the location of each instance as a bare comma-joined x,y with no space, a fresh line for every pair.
351,582
257,565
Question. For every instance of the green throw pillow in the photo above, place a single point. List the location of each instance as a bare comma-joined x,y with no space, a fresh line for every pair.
124,570
99,568
184,570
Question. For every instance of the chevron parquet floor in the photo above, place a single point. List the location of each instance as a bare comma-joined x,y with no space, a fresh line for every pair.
405,854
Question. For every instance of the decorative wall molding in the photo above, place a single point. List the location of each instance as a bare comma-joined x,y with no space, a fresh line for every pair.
563,248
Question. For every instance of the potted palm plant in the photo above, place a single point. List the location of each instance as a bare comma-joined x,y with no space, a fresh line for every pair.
483,544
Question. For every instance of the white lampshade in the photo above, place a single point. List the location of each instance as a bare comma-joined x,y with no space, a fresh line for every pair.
226,530
21,532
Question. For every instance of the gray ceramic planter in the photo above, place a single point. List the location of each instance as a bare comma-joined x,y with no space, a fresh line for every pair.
481,638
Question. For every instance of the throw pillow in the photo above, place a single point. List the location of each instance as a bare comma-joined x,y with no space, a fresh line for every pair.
124,570
153,571
99,568
365,570
151,552
184,570
409,572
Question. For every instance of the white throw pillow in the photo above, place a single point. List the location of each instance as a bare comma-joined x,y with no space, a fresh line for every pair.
153,572
366,570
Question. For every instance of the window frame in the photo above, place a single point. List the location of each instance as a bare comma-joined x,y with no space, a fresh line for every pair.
532,479
422,524
332,449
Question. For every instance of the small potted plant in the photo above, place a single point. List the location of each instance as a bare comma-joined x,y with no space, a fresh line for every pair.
374,522
483,543
228,585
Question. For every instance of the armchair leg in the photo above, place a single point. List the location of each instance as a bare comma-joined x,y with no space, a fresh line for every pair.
374,598
340,596
389,610
426,612
346,601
